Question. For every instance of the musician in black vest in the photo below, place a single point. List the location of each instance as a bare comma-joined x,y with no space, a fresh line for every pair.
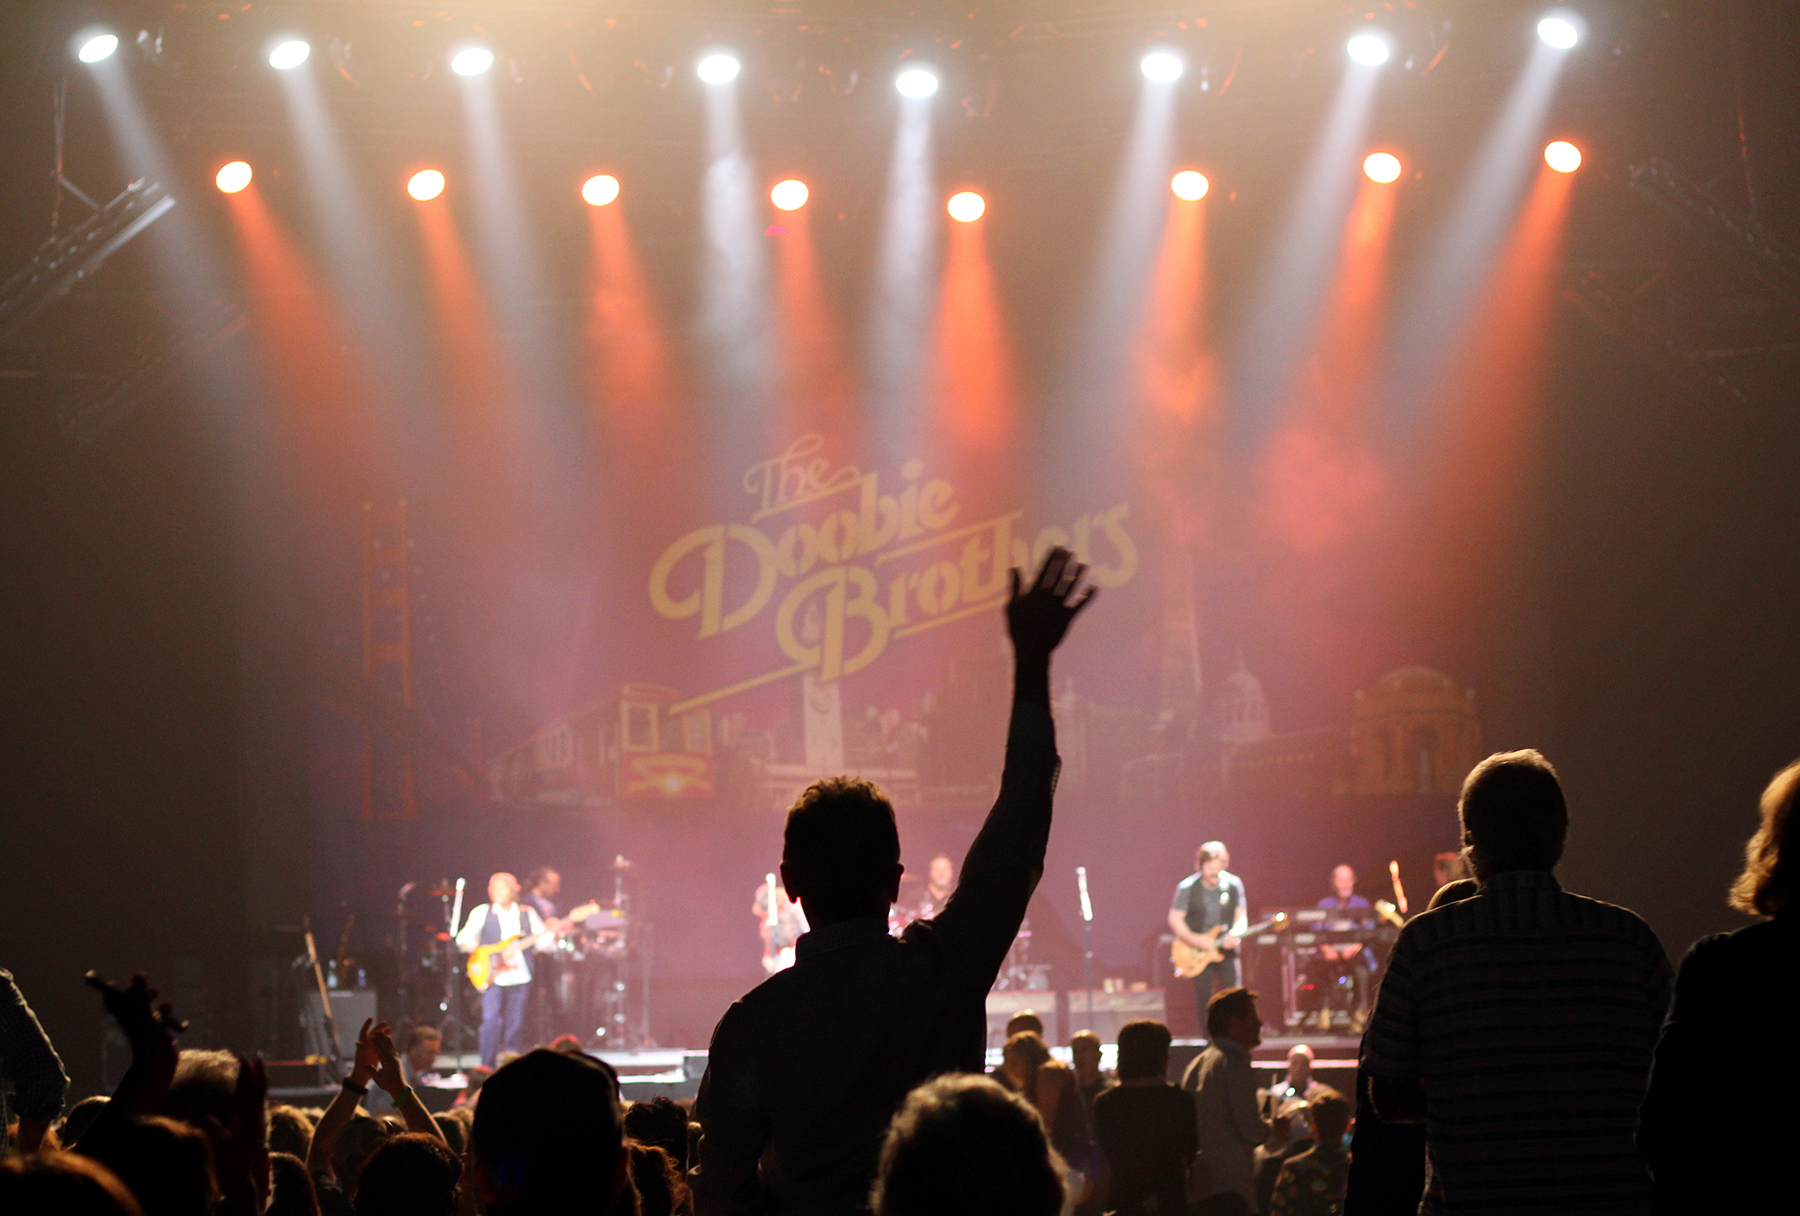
1208,898
503,1004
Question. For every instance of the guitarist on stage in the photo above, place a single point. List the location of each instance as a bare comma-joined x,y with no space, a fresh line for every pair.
1207,899
503,1001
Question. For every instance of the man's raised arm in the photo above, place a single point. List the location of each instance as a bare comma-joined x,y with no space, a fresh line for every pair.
1007,858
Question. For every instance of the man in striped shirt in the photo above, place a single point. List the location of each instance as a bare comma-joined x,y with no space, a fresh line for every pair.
1518,1025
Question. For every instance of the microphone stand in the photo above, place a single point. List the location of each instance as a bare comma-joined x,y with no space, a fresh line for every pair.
1087,943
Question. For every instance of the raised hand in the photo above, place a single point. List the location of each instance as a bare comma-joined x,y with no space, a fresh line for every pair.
1038,616
366,1062
388,1073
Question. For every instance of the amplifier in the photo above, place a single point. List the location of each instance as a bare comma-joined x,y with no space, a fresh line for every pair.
1112,1010
350,1008
1001,1006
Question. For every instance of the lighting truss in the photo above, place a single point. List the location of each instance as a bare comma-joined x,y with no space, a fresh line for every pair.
66,260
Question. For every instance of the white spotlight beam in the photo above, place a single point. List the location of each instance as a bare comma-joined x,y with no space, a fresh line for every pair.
1090,410
905,281
734,303
1287,307
1438,303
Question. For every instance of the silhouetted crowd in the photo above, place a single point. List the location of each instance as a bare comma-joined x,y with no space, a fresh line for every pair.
1530,1050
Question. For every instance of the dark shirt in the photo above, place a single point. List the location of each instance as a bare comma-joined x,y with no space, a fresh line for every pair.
1148,1135
1712,1147
1209,907
1529,1014
807,1069
1312,1183
545,908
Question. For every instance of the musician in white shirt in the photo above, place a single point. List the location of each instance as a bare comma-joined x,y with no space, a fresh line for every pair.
503,1004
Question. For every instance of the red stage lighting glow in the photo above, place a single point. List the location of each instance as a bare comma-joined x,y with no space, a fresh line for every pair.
967,206
1382,167
600,189
233,176
1563,156
425,185
789,195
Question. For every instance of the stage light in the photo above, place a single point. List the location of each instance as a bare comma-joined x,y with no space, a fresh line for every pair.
233,177
1189,185
425,185
471,61
916,82
1560,32
966,206
1563,156
1371,50
1382,167
1164,67
290,53
91,46
600,189
718,69
789,195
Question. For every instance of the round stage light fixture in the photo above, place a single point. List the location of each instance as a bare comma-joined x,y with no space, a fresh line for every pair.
289,54
91,46
1164,67
718,68
789,195
1563,156
916,82
1559,31
1371,50
600,189
966,206
233,177
1382,167
1189,185
471,61
425,185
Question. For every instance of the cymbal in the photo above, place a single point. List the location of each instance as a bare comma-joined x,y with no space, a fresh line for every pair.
440,892
619,862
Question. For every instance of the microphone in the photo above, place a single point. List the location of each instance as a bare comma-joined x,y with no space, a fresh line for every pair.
1087,908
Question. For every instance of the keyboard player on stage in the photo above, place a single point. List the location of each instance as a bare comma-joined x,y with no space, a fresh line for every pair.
1351,960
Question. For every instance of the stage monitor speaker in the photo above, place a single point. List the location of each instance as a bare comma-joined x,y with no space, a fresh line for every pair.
350,1008
1112,1010
1001,1006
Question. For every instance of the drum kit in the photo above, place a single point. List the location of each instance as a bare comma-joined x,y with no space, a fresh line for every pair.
594,981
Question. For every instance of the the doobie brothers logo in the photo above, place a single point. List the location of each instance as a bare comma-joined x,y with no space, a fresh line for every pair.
864,568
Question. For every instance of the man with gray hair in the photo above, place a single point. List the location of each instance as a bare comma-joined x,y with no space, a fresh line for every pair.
1518,1024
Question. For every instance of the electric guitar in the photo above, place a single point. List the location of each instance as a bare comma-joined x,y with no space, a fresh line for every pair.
1192,960
484,961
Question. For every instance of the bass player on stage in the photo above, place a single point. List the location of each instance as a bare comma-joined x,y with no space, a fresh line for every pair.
503,1000
1209,915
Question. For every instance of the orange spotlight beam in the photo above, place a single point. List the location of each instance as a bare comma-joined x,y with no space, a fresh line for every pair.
325,401
975,405
817,390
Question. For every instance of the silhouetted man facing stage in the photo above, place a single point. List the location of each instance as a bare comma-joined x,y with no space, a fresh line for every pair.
807,1069
1518,1024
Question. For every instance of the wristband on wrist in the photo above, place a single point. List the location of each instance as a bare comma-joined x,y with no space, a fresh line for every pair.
350,1084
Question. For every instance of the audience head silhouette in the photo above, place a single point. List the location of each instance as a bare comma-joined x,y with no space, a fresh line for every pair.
1767,884
1143,1050
65,1183
547,1136
963,1146
1513,814
1025,1019
1231,1014
410,1175
1329,1114
840,855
